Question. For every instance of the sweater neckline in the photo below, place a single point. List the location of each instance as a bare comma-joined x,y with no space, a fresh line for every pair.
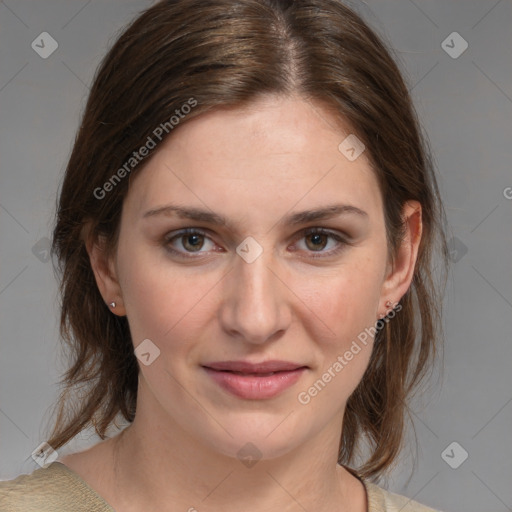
60,466
368,487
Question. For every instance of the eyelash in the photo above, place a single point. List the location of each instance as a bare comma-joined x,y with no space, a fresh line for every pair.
303,234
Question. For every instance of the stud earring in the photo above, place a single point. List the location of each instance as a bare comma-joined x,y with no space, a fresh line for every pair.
112,305
388,304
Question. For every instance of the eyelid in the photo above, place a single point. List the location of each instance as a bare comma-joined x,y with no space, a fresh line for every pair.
341,238
173,235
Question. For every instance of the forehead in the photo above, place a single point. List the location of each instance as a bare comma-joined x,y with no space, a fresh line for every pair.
266,157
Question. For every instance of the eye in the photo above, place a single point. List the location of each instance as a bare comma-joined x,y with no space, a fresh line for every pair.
318,238
190,240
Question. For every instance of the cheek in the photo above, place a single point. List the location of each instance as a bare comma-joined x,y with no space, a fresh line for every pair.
347,307
342,320
166,303
344,303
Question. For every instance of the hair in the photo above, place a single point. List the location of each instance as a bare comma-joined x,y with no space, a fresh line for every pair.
225,54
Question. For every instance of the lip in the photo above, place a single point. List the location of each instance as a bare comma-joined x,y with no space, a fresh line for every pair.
252,380
247,367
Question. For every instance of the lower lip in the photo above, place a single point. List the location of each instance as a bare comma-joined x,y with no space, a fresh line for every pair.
252,387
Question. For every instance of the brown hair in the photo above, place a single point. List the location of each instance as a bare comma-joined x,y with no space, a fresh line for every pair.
225,53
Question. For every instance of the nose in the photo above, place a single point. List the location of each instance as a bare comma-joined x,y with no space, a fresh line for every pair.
255,306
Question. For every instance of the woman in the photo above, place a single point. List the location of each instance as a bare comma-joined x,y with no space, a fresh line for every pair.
246,231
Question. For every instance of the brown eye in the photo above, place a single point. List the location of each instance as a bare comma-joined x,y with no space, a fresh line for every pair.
192,242
187,241
318,241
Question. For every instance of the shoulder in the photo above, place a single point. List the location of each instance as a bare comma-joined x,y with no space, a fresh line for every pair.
380,500
48,489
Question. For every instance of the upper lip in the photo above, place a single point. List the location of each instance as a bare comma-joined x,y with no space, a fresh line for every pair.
246,367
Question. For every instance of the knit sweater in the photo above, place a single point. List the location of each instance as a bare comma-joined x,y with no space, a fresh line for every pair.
56,488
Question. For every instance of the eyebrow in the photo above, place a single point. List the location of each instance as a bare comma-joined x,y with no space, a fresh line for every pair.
200,215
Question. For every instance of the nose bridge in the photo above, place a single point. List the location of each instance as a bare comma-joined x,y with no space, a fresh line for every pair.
254,306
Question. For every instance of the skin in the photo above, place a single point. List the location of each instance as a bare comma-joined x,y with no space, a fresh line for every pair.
254,166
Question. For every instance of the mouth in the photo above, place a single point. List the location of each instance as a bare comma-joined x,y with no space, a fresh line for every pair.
255,381
255,374
247,368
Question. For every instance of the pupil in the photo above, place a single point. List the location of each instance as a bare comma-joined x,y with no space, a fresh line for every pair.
317,239
193,241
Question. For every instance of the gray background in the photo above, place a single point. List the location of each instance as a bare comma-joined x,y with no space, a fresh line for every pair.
465,104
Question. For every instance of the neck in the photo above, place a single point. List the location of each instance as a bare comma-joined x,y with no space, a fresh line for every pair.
168,469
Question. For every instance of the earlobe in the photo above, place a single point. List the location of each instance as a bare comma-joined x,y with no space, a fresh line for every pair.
105,275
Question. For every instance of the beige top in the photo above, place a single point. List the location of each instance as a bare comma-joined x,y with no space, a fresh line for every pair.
57,488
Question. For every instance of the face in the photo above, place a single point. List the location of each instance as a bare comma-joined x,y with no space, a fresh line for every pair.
245,270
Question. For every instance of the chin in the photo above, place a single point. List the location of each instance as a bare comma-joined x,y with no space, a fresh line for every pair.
252,439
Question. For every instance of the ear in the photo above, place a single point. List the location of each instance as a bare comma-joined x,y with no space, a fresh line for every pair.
105,273
399,275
